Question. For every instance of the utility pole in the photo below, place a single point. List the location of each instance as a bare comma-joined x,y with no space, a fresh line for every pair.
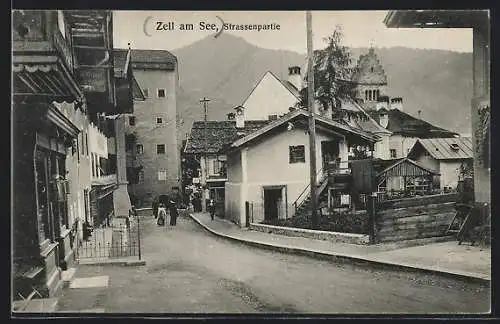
205,102
312,127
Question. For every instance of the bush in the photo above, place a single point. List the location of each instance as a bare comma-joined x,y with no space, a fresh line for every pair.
344,222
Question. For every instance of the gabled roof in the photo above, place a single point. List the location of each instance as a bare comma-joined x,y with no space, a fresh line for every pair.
368,124
441,148
334,126
219,134
391,164
407,125
287,85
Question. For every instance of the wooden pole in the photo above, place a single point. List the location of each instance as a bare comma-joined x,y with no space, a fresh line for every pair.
312,133
205,102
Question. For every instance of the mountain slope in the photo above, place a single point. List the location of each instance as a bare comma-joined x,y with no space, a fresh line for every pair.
225,69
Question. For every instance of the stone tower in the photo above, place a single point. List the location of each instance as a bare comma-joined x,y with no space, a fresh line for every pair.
371,79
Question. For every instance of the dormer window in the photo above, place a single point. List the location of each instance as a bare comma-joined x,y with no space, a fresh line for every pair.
454,147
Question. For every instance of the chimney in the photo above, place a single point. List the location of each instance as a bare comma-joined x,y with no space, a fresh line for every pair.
382,103
383,118
420,114
294,77
240,117
397,103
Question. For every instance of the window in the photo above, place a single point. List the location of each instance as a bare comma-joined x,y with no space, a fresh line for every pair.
145,91
140,149
131,120
393,153
272,117
86,144
162,175
160,149
161,93
297,154
159,120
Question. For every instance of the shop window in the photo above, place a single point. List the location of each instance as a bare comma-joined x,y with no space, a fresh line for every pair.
297,154
42,192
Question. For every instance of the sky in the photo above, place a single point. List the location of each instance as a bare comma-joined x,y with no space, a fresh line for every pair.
361,29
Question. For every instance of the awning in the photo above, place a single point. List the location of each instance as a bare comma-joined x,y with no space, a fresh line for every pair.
436,18
43,76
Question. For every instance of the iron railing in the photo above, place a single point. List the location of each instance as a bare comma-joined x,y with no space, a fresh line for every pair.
121,239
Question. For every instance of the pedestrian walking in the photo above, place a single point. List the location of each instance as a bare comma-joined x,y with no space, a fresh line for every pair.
173,213
154,207
211,208
162,215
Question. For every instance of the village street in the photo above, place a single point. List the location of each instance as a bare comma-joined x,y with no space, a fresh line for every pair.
190,271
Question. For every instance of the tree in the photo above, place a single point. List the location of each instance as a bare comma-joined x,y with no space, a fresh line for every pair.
332,78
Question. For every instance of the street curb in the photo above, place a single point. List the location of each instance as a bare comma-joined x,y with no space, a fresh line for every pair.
115,263
343,259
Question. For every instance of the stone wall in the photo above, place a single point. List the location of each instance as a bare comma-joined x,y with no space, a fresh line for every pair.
333,237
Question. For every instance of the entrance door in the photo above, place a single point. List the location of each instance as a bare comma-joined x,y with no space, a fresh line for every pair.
272,203
329,152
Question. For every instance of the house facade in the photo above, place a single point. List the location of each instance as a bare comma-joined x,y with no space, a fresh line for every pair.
269,167
205,144
60,97
272,97
153,143
447,156
479,21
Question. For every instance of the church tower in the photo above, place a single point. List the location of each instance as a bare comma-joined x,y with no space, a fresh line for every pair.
371,79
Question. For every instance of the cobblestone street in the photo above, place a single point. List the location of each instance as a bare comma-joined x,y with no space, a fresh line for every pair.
190,271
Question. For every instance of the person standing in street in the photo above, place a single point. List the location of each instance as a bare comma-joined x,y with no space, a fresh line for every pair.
154,207
211,208
173,213
162,215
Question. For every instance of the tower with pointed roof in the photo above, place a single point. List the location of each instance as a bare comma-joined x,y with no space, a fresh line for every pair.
371,79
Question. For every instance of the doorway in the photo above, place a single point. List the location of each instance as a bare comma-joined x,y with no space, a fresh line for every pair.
329,152
273,199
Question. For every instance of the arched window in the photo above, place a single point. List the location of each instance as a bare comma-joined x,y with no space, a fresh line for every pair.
378,93
370,95
366,94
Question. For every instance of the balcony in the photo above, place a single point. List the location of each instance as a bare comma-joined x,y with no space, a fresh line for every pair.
43,63
104,180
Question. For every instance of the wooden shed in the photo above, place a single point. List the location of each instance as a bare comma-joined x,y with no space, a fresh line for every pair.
403,177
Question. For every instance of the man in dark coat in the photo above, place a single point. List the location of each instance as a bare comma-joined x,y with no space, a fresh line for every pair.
154,206
211,208
173,213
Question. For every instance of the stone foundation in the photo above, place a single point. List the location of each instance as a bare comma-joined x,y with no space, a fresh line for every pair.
333,237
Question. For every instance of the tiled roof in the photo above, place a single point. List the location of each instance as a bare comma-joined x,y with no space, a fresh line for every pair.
154,58
407,125
368,124
441,148
219,134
